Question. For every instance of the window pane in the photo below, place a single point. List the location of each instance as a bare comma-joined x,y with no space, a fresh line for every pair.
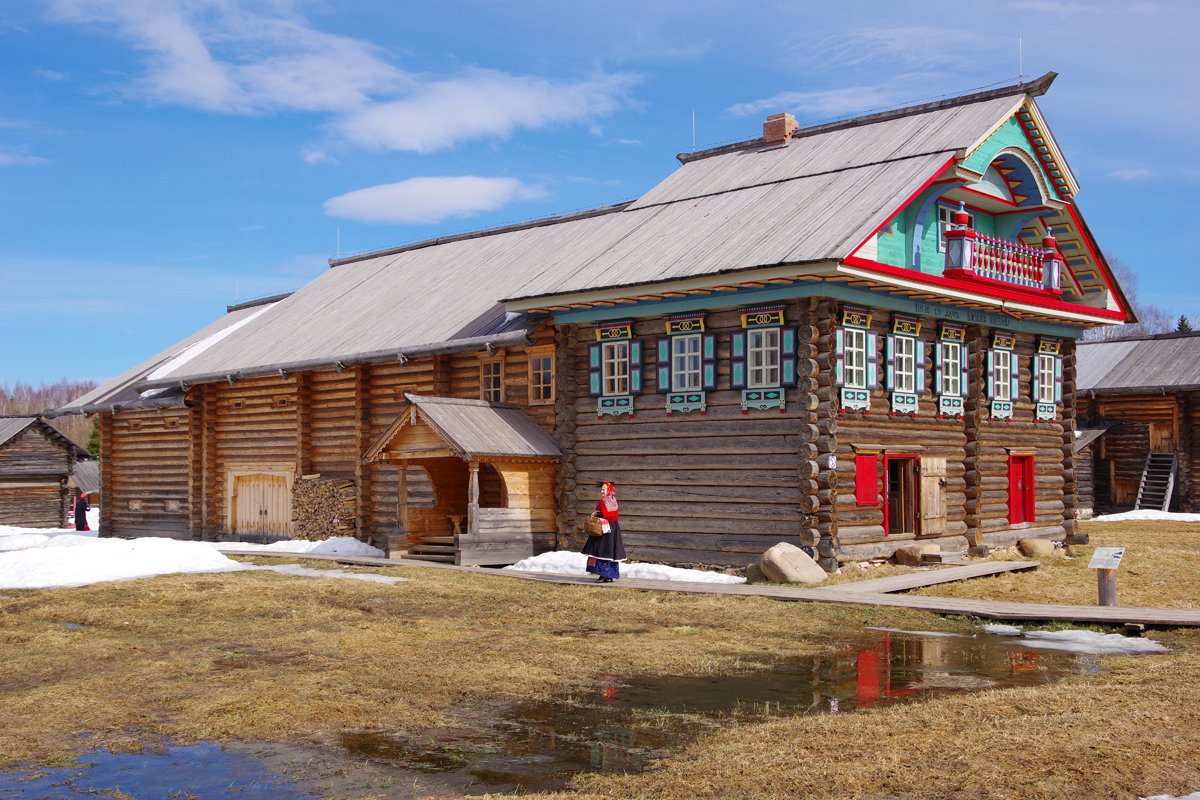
856,358
1002,375
685,363
951,368
762,351
905,363
616,368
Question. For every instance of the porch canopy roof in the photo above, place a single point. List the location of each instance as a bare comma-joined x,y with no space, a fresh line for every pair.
467,429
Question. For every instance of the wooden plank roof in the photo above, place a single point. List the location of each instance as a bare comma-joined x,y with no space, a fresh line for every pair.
1162,362
12,426
473,429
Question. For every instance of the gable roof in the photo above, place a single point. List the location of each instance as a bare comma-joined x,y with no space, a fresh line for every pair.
1165,361
12,426
472,428
728,210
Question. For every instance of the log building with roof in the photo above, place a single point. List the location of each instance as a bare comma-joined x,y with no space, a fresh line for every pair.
36,466
1145,392
847,336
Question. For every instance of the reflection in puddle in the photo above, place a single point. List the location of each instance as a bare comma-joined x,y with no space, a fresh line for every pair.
620,727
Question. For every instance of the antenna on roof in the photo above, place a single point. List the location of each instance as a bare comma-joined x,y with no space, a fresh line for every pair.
339,241
693,130
1020,57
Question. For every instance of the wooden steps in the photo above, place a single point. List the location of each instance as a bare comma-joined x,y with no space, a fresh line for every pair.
1158,482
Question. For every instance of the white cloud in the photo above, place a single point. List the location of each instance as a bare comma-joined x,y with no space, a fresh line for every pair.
830,103
479,104
1131,174
421,200
227,56
312,155
10,158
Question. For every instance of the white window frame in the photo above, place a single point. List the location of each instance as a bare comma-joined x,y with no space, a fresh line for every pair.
904,363
951,369
615,369
1045,367
1002,376
687,362
945,214
854,358
763,358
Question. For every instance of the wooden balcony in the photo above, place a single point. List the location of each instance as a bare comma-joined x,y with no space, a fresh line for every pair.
984,259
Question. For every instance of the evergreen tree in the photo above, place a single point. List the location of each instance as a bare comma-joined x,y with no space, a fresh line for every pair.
93,445
1184,326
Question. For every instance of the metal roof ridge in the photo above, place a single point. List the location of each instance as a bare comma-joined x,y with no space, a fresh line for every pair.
479,234
1035,88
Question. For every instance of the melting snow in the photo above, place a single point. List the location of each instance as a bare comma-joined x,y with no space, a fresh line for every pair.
1147,514
1078,641
566,562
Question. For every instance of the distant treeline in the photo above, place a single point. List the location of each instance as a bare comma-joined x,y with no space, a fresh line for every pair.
24,398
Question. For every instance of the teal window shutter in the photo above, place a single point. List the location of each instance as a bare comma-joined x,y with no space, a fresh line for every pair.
962,386
595,365
991,374
737,360
1035,379
937,368
664,364
872,360
919,358
1058,379
891,361
839,357
709,360
787,356
635,367
1014,375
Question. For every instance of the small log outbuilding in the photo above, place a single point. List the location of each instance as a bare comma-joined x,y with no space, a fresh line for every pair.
36,462
1146,391
846,336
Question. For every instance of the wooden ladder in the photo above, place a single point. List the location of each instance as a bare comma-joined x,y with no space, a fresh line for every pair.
1158,482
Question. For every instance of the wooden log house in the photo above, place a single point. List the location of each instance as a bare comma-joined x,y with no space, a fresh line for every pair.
1145,391
848,336
36,464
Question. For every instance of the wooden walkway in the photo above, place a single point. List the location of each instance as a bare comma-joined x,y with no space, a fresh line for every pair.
843,593
934,576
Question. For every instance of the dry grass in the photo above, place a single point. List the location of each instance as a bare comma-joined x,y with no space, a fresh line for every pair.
268,657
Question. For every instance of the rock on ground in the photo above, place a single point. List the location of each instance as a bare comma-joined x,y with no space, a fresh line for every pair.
786,563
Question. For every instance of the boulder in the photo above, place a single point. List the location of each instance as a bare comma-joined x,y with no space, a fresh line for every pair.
1035,548
754,574
786,563
910,554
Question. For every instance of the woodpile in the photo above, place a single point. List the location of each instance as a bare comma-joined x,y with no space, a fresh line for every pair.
322,508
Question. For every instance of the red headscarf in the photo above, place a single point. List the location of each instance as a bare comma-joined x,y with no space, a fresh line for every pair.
608,496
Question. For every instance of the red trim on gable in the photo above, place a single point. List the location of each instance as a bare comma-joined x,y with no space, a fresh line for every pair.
1000,291
932,180
1085,234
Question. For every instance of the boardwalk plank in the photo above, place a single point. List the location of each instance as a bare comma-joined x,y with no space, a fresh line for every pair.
932,577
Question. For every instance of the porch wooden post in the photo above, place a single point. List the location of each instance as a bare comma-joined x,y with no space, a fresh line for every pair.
473,501
402,498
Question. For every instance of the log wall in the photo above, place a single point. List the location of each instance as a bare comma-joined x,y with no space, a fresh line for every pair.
34,491
146,473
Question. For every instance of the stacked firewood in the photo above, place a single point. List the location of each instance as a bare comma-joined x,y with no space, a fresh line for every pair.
322,508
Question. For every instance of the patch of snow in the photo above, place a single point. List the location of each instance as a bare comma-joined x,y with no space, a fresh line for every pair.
1192,796
336,546
1091,642
308,572
1002,630
1147,514
567,562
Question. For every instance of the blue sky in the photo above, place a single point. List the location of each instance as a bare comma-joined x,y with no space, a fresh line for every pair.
160,159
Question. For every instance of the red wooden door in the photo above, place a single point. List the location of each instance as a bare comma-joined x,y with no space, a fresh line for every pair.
1020,489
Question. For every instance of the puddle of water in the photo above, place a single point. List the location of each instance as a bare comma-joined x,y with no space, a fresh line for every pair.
620,727
75,626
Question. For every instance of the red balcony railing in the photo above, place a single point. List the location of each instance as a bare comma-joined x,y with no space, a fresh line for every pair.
970,254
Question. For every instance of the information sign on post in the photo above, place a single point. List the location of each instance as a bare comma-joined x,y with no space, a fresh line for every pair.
1106,560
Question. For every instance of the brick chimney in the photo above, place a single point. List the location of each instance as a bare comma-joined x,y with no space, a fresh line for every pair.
778,128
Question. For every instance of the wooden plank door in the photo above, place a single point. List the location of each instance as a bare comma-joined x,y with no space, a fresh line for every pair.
900,498
933,496
1162,437
261,504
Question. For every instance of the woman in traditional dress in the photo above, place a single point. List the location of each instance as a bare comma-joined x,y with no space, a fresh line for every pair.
606,552
81,509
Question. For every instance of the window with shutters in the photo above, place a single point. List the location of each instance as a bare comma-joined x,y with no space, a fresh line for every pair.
614,369
950,370
904,363
762,359
686,363
1047,379
856,358
1003,375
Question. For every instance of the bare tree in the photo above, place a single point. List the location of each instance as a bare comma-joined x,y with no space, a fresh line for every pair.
24,398
1151,318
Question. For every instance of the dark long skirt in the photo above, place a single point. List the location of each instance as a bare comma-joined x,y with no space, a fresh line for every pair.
605,552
